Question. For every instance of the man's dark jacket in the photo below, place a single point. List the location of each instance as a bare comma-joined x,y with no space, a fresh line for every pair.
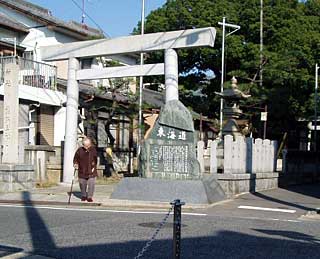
86,159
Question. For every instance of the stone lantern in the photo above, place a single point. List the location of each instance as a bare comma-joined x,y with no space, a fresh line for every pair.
231,111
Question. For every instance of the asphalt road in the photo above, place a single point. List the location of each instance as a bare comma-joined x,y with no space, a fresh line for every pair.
237,229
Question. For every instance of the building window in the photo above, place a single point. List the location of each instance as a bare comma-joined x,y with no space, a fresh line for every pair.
28,55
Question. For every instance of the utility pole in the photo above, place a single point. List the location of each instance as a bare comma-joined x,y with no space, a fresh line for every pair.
83,12
15,46
222,72
261,44
261,67
265,122
236,28
316,108
140,137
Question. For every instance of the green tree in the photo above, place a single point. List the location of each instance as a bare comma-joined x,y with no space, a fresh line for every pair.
291,48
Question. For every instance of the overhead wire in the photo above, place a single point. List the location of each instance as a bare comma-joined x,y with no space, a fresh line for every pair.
90,18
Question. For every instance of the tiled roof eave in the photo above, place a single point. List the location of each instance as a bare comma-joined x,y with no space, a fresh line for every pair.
47,19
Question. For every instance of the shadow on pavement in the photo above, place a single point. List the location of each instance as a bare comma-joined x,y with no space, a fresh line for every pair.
221,244
289,234
225,244
282,202
312,190
76,194
7,250
42,240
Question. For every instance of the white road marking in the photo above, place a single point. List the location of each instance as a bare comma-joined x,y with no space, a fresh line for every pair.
98,210
266,209
292,220
255,218
273,219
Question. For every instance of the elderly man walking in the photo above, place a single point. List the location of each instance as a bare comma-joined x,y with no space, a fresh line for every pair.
85,160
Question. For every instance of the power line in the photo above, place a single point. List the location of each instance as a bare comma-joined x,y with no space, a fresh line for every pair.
90,18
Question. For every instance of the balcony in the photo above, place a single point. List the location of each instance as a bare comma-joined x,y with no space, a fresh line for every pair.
32,73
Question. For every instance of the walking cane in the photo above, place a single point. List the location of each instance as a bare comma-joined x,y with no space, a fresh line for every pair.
70,193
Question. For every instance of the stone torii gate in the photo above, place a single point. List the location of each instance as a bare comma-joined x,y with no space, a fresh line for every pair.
167,41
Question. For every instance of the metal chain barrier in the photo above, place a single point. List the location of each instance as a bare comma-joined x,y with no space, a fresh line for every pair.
161,224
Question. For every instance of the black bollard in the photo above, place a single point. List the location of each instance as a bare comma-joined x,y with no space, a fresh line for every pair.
177,228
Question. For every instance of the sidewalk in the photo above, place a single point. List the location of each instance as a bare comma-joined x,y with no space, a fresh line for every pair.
59,195
301,198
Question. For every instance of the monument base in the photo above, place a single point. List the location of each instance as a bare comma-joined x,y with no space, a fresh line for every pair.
205,191
16,177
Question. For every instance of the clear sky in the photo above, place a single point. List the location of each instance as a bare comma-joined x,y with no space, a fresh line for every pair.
116,17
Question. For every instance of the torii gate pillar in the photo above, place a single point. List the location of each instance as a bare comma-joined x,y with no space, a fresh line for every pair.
171,74
70,144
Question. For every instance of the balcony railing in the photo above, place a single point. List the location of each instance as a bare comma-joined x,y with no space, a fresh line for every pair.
32,73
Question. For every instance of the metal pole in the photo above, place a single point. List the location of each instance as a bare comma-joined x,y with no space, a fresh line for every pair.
201,126
177,228
265,123
235,28
222,72
15,46
261,43
140,137
316,108
83,14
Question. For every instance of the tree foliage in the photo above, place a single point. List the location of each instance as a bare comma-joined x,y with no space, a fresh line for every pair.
291,49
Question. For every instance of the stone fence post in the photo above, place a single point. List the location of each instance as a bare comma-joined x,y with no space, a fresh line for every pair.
213,157
266,156
227,154
242,149
258,156
200,154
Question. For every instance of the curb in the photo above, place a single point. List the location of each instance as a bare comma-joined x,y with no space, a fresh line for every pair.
116,204
136,204
52,203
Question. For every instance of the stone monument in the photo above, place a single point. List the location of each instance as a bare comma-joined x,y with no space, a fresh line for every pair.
13,176
11,114
169,151
232,111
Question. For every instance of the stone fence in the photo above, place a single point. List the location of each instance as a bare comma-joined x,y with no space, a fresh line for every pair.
242,155
240,164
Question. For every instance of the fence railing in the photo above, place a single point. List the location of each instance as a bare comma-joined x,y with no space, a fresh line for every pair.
32,73
238,156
